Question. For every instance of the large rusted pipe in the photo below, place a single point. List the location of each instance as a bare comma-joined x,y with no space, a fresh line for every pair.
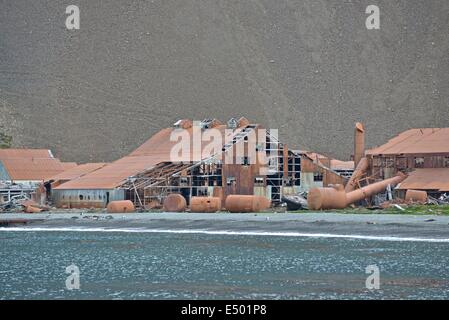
359,143
358,173
205,204
175,203
373,189
336,198
246,203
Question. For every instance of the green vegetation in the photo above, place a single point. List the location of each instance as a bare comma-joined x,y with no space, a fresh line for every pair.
408,209
5,141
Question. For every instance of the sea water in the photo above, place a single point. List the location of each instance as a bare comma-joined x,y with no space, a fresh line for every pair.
196,264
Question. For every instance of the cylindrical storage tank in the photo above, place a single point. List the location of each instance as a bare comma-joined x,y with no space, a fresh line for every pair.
175,203
327,198
205,204
122,206
246,203
416,196
31,209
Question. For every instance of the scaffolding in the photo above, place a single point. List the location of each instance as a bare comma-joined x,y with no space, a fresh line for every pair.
149,188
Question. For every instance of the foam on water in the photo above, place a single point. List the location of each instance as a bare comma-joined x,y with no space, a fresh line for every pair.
228,232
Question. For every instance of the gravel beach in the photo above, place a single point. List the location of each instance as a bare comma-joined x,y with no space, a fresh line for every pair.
326,224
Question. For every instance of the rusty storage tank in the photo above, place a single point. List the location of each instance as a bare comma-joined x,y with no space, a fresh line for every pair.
121,206
416,196
32,209
336,198
246,203
205,204
175,202
327,198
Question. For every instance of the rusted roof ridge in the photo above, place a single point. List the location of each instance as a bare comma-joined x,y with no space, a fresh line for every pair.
420,137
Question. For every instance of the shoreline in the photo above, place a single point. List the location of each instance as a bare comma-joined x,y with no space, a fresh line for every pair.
300,224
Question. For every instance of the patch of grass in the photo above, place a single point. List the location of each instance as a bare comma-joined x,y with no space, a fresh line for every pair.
408,209
5,141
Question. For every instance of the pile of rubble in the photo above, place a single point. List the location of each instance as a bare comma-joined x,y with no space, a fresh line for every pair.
22,203
441,200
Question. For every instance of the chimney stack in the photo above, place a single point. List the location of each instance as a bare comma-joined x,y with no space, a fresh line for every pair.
359,143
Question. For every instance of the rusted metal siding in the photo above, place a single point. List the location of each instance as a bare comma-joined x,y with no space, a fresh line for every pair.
313,175
88,198
387,166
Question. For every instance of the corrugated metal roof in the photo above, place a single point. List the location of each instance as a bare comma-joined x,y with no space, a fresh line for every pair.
25,153
34,169
334,164
77,171
342,165
427,140
155,150
427,179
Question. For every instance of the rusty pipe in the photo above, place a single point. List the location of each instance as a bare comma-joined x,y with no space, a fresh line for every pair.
359,143
374,188
336,198
358,173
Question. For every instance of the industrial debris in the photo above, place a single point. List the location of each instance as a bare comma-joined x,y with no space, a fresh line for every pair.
412,168
295,201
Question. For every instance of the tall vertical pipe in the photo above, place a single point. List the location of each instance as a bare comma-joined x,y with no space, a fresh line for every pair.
359,143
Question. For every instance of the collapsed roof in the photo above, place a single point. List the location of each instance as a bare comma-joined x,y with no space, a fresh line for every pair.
155,150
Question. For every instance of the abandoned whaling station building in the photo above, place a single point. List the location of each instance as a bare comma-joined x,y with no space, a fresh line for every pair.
149,174
423,154
21,170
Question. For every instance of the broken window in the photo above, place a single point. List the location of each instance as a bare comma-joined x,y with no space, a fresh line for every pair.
259,181
245,161
230,181
260,147
419,162
317,176
446,162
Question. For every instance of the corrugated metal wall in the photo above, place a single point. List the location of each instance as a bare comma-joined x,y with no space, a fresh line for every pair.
86,198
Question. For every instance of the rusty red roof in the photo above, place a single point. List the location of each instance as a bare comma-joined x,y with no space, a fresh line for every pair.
427,179
416,141
155,150
31,164
77,171
34,169
25,153
334,164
